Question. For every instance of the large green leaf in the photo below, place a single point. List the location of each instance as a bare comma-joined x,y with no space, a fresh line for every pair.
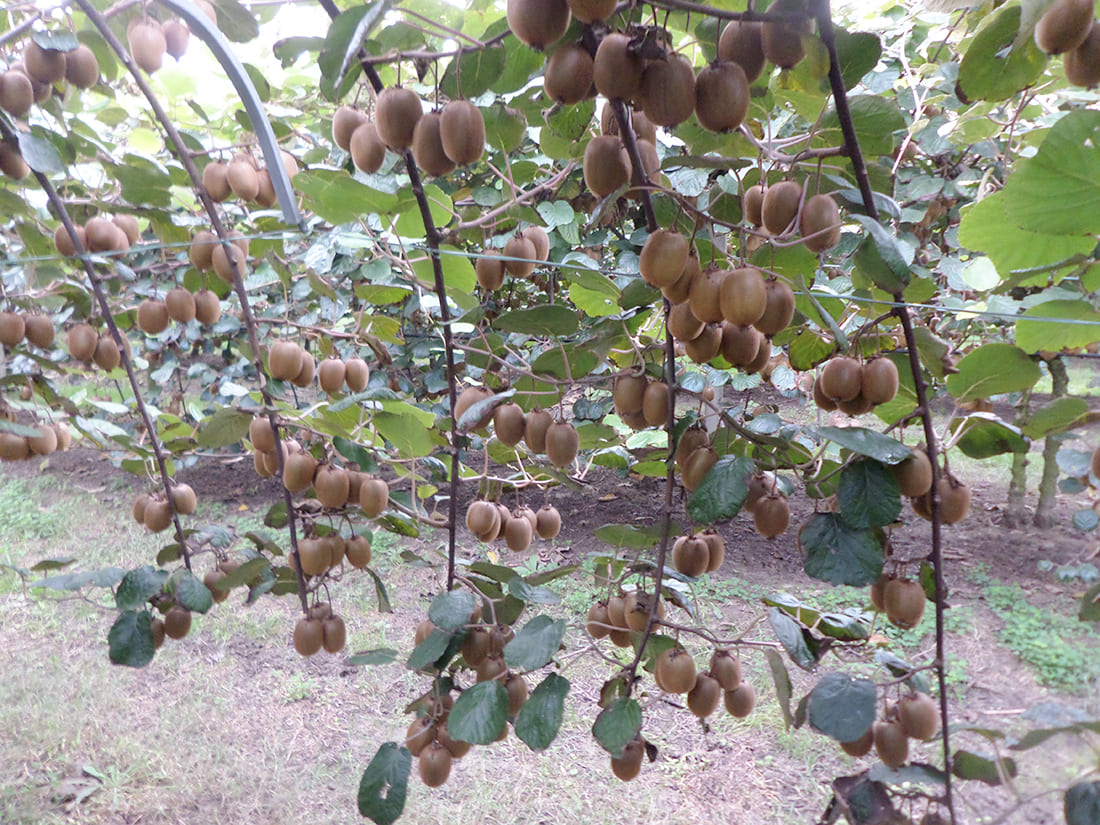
617,725
1042,327
337,60
1082,803
479,714
842,707
867,442
858,53
1058,416
337,198
796,640
985,435
191,593
138,585
994,69
226,426
838,553
452,609
992,369
540,718
130,639
550,319
535,644
868,494
722,491
384,784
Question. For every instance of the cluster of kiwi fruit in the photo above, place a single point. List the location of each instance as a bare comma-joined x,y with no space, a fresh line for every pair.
287,361
335,373
87,345
34,329
320,628
103,235
640,401
243,178
914,716
154,511
206,252
430,742
854,388
914,477
694,456
149,39
1069,28
222,569
623,613
32,80
694,554
559,441
491,521
780,210
771,514
440,141
179,305
50,438
675,672
518,258
318,554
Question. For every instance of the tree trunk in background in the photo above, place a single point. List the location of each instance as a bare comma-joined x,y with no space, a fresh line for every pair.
1016,512
1048,486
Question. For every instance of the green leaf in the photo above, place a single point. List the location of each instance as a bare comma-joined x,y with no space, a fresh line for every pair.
532,594
535,644
130,639
722,491
992,369
138,586
191,593
410,223
378,656
1059,416
783,688
411,438
867,442
106,577
868,494
857,53
842,707
276,516
40,154
452,609
876,120
337,60
968,765
838,553
794,638
987,71
627,536
226,426
550,319
430,651
985,435
479,714
384,784
384,605
337,198
881,258
1034,333
235,21
540,718
474,73
617,724
1082,803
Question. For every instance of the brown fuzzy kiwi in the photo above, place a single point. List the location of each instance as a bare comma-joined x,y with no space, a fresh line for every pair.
434,765
891,743
298,470
215,180
703,698
492,667
261,434
482,519
184,499
284,360
861,746
592,11
13,447
539,239
12,328
919,716
423,630
522,253
914,474
374,496
180,304
420,734
177,622
954,499
476,647
664,257
210,580
396,113
356,374
16,93
509,422
616,70
547,522
45,442
743,296
841,378
691,555
313,556
100,234
12,163
655,404
81,342
782,40
333,634
229,260
568,75
427,146
628,392
562,443
682,323
706,345
331,374
705,295
1082,65
242,178
877,593
636,608
345,121
139,507
753,205
628,765
779,308
535,430
779,208
517,692
740,701
643,128
716,549
1064,26
822,401
819,223
466,399
176,37
309,636
38,330
202,248
879,381
147,45
696,467
457,747
606,165
42,91
903,602
538,23
358,551
667,91
616,611
726,669
721,96
129,226
368,151
107,354
331,485
772,515
64,242
741,43
462,129
44,65
597,621
675,671
152,316
490,270
693,438
307,369
266,197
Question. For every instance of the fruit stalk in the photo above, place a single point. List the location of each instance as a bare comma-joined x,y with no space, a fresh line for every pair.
851,144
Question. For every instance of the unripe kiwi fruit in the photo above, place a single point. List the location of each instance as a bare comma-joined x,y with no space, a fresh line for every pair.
706,345
309,636
675,671
820,223
780,206
16,93
696,466
743,296
690,555
1082,65
284,360
879,381
664,257
592,11
666,92
356,374
184,499
180,304
606,165
427,146
331,485
617,71
568,75
782,40
367,149
704,697
509,422
44,65
152,316
298,470
726,669
536,427
374,496
629,764
740,701
345,121
107,354
1064,26
919,716
177,622
522,251
81,341
176,37
741,43
628,393
242,178
562,443
215,180
891,744
462,129
38,330
331,374
841,379
721,96
396,113
772,515
538,23
903,602
779,308
547,522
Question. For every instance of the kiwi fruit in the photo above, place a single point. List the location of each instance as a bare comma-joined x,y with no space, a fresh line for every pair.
861,746
696,466
741,43
903,602
307,368
597,621
743,296
616,69
567,78
822,401
919,716
147,45
538,23
466,399
12,163
457,747
210,580
782,40
462,129
262,435
628,392
705,295
779,208
331,485
243,180
81,341
331,374
397,111
509,422
333,634
716,549
666,92
628,765
284,360
16,93
177,622
357,551
101,234
156,628
492,667
420,734
878,593
309,636
706,345
44,65
636,608
753,205
954,499
482,519
519,253
13,447
313,556
518,534
819,223
298,471
490,271
616,611
64,243
772,515
215,180
675,671
721,96
176,37
345,121
107,354
423,631
45,442
841,379
703,698
434,765
655,404
690,555
42,91
366,147
38,330
592,11
539,239
740,701
184,499
536,427
651,166
562,443
427,146
517,692
476,646
12,328
664,257
726,669
152,316
682,323
878,381
606,165
356,374
891,743
180,305
1082,65
374,496
643,128
1064,26
202,247
779,308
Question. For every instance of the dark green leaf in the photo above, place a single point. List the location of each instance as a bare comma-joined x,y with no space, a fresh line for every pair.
346,34
532,594
867,442
858,53
276,516
40,154
617,725
793,639
842,707
138,585
378,656
1058,416
1082,803
384,784
474,73
881,258
984,435
130,640
550,319
337,198
235,21
479,714
990,69
384,605
992,369
991,771
106,577
722,491
226,426
429,651
783,689
539,720
257,568
192,593
838,553
868,494
353,452
451,610
535,644
52,564
627,536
